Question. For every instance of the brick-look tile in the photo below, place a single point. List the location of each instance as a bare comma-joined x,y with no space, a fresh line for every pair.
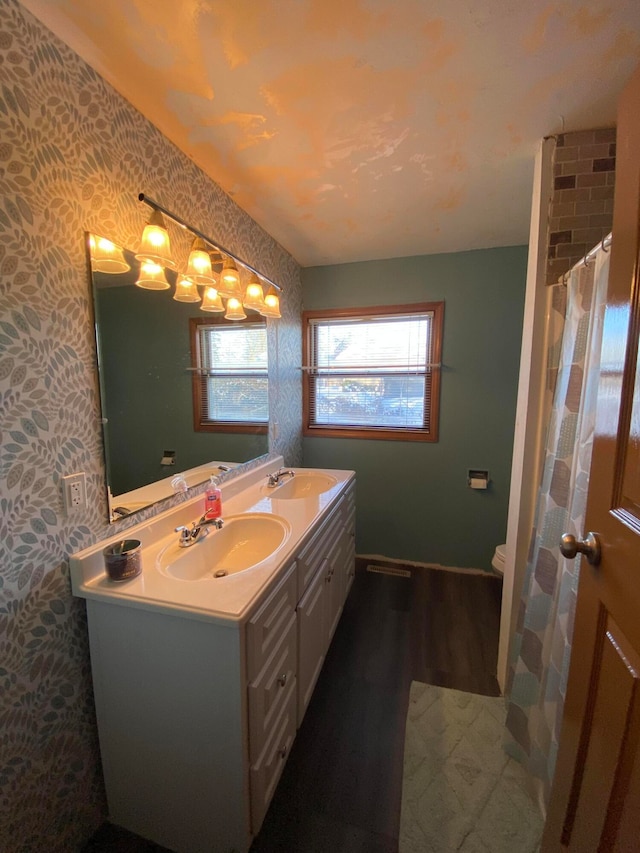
592,152
571,250
589,207
588,236
572,195
580,213
605,164
602,193
565,182
606,134
602,220
568,223
595,179
577,167
560,237
563,155
582,137
564,208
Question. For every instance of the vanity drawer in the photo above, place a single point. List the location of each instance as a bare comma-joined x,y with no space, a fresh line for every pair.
311,557
266,772
270,691
267,626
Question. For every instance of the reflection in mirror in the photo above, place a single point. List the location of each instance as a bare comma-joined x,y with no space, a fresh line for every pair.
146,389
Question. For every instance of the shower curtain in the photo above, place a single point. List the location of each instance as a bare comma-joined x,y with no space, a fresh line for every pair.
541,649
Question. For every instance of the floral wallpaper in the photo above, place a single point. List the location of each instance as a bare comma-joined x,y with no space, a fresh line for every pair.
73,157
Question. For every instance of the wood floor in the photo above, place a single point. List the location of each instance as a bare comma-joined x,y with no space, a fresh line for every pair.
341,787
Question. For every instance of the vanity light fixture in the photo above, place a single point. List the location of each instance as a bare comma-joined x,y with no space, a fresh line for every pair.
205,259
106,256
155,244
152,277
211,300
186,290
234,309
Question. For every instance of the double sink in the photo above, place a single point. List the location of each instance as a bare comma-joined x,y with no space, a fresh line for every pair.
223,572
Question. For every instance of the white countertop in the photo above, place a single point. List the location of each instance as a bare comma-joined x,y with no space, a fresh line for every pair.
226,599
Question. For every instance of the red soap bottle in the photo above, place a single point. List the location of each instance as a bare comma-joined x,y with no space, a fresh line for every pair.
213,500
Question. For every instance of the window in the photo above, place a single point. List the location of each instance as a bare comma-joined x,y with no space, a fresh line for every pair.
373,372
230,378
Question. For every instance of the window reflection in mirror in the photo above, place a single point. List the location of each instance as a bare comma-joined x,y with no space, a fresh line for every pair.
146,389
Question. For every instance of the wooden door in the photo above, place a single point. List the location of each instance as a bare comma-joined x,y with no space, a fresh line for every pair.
595,800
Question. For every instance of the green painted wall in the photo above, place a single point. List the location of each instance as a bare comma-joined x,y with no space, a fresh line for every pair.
413,502
146,353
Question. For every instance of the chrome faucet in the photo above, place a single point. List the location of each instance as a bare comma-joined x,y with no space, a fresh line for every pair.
198,530
274,479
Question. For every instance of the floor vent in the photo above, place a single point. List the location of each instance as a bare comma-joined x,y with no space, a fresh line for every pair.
389,570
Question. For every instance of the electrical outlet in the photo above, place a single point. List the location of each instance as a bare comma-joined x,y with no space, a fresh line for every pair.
74,492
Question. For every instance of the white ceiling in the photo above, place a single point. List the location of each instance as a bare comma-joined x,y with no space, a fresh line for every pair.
363,129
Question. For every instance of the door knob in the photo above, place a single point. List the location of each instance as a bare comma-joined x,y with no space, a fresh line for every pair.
589,546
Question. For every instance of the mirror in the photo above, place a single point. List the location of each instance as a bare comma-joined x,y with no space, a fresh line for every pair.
152,450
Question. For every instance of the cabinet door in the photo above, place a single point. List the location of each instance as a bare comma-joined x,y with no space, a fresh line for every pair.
267,626
269,692
266,772
312,637
336,584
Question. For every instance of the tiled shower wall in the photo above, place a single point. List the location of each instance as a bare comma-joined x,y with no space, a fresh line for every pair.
581,211
73,157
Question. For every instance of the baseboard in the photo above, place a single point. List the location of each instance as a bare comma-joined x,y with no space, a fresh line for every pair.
395,561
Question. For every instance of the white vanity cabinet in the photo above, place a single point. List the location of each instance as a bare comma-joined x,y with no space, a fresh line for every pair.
196,716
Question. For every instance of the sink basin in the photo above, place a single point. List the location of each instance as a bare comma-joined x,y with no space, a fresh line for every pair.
300,486
243,543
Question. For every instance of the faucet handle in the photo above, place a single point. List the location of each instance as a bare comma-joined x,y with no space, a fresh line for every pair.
185,533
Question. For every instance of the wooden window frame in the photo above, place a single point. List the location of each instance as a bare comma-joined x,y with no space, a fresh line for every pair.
435,357
200,423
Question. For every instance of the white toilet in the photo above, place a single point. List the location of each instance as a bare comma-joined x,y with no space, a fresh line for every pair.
499,558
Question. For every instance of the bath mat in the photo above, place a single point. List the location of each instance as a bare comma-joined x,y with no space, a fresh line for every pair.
460,790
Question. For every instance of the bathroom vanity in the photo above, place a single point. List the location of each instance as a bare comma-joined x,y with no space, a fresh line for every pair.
201,682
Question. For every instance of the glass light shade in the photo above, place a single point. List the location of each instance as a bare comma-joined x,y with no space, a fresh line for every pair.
211,300
229,283
253,295
155,245
106,256
199,264
152,277
234,310
271,304
186,291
